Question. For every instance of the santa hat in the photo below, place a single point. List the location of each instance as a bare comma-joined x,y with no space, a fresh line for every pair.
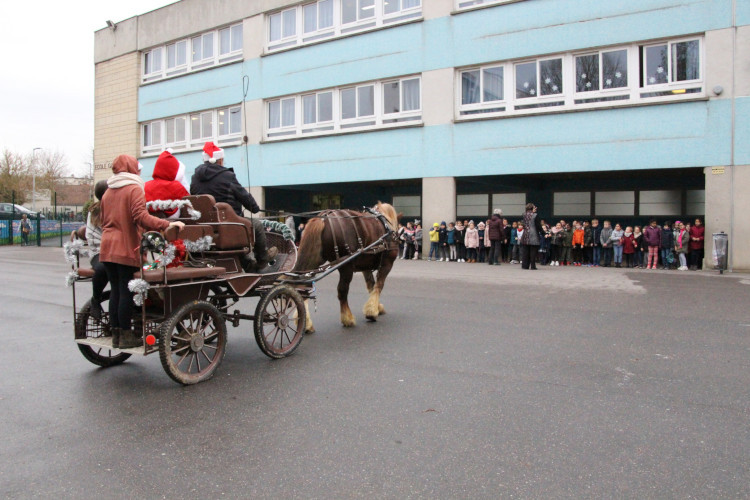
166,166
211,152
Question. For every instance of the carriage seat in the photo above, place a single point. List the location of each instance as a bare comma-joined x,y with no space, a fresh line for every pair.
230,231
173,273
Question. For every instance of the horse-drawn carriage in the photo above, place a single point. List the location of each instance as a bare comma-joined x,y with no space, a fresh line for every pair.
182,310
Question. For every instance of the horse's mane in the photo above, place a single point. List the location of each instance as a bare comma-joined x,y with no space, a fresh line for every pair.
389,212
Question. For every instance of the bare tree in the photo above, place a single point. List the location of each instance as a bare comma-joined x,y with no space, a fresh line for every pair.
15,176
49,167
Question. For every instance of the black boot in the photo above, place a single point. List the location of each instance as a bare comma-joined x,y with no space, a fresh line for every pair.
96,310
130,339
115,337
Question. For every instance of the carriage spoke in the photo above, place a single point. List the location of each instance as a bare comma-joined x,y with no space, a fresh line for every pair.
198,362
207,358
180,349
190,366
182,359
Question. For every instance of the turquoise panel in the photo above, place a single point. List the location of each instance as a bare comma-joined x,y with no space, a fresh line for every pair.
233,157
742,132
208,89
678,135
743,12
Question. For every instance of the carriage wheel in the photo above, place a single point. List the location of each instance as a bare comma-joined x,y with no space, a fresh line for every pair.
85,324
279,322
192,342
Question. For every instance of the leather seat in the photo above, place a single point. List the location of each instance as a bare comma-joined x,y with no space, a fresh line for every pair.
173,273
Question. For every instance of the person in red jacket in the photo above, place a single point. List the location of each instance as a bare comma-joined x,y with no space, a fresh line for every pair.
628,246
168,183
697,237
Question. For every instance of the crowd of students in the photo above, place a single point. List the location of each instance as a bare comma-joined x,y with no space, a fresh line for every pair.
673,245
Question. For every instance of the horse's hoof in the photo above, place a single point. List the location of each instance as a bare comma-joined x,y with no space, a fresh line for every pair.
372,318
381,309
310,330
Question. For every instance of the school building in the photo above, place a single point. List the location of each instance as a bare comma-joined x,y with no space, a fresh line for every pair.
446,108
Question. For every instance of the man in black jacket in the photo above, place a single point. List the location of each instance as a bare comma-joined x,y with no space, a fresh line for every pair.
221,183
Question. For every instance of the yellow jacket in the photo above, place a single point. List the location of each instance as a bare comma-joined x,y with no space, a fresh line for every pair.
434,235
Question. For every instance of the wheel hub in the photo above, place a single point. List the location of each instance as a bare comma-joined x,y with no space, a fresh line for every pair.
196,342
283,321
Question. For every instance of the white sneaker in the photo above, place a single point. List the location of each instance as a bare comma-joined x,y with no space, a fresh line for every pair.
557,262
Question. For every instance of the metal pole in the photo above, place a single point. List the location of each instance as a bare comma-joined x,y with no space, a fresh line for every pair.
38,229
12,216
33,179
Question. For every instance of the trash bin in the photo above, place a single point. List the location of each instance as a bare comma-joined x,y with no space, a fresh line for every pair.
721,251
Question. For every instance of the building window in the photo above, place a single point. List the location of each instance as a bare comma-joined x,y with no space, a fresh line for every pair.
190,132
624,75
572,203
207,49
472,205
512,204
323,19
653,203
369,105
614,203
409,206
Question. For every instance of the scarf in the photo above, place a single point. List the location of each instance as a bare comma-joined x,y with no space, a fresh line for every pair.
679,238
556,230
124,179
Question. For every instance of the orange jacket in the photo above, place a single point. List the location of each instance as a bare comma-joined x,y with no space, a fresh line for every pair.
578,237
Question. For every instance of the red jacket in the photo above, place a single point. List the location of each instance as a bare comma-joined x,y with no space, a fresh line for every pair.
123,210
628,244
168,172
697,232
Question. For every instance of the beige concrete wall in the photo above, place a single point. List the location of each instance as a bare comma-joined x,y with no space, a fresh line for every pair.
726,206
742,61
116,128
719,62
739,243
436,85
438,204
432,9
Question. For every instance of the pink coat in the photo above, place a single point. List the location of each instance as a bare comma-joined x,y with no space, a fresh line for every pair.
471,240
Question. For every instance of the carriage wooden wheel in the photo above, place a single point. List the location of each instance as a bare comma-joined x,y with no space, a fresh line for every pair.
279,321
87,327
192,342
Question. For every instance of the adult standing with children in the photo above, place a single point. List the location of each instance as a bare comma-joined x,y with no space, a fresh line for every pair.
530,238
496,236
123,213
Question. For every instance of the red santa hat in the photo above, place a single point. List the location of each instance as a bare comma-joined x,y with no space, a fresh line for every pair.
211,152
166,166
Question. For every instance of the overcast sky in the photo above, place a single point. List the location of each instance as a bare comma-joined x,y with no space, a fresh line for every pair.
47,83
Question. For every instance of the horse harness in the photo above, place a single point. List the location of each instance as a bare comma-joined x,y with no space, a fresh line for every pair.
335,218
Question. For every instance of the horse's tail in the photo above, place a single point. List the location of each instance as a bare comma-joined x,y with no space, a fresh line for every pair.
309,254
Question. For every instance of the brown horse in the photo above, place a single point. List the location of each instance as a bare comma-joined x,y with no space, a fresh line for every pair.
335,234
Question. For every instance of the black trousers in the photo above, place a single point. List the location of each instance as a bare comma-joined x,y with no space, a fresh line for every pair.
100,279
696,258
528,256
120,298
494,252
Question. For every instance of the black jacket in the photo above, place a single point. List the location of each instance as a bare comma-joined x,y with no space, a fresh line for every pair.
222,184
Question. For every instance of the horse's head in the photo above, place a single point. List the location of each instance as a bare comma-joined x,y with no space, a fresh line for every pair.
389,212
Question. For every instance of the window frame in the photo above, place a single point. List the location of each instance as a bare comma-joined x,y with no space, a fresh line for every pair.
338,28
479,4
570,99
189,143
378,120
190,66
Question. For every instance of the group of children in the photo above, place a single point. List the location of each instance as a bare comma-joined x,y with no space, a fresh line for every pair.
580,243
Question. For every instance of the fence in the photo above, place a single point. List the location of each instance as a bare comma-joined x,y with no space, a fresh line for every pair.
44,232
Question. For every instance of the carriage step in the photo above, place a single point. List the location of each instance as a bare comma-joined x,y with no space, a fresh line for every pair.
106,343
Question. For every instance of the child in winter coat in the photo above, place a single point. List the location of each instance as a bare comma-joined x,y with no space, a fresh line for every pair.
628,246
168,184
482,235
434,241
616,240
417,241
596,244
451,240
443,241
515,252
471,240
667,244
605,239
652,240
577,245
519,234
567,245
556,244
459,238
638,244
681,243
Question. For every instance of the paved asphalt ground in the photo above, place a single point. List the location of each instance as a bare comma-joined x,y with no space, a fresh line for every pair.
480,382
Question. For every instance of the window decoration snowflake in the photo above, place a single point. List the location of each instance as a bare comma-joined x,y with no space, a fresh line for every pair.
660,70
525,85
618,75
554,88
652,80
588,85
532,91
547,81
583,75
608,81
